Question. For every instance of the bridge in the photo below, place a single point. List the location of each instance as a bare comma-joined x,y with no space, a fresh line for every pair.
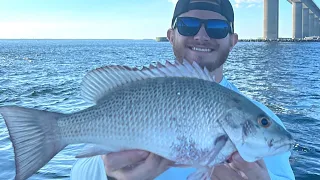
306,19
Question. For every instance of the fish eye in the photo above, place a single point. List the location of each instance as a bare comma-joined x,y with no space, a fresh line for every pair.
264,121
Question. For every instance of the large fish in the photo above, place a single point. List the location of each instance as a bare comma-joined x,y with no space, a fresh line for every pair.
176,111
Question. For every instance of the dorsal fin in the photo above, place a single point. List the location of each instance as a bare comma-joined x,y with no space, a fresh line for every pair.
98,82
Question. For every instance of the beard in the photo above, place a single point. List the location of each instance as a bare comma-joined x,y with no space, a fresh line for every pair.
211,63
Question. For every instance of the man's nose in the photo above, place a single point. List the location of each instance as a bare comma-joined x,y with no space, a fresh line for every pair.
202,35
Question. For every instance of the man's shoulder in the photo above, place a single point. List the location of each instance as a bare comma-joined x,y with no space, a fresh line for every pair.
226,83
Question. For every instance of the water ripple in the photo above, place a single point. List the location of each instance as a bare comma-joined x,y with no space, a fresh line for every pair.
46,74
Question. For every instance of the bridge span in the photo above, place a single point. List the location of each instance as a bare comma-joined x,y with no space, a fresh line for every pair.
305,16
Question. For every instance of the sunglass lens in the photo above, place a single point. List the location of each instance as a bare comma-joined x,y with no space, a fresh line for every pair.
188,26
217,29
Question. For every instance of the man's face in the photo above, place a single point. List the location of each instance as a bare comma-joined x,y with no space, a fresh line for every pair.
206,51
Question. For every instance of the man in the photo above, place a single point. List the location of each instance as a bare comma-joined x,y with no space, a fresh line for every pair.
208,43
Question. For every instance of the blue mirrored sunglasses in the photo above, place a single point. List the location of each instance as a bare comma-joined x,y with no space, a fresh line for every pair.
190,26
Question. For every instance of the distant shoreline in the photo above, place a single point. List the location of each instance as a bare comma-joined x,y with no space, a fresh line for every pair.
280,40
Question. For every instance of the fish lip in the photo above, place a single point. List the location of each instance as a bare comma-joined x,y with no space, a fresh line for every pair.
280,143
287,146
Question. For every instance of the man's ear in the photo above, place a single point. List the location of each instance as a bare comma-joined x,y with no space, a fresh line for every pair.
170,35
234,40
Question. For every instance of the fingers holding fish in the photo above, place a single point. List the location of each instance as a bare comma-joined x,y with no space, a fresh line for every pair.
118,160
150,169
249,170
225,172
135,167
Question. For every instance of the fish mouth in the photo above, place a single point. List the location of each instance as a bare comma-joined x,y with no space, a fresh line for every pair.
284,147
282,144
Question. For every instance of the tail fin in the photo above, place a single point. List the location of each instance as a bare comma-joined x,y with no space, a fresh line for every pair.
33,134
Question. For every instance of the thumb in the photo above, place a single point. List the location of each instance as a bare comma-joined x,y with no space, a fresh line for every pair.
253,170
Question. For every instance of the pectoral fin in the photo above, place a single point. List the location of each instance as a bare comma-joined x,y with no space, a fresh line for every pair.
205,172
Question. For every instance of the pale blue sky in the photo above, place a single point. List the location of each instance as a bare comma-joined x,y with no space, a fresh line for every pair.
117,19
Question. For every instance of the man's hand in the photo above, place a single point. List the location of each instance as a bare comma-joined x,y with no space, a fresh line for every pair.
241,170
142,165
134,165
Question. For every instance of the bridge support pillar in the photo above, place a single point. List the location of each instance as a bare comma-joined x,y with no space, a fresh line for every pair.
311,24
305,21
316,26
271,19
319,27
297,20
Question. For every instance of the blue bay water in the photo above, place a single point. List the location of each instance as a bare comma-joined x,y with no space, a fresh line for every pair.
46,74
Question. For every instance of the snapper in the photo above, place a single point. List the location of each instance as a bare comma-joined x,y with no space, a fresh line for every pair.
176,111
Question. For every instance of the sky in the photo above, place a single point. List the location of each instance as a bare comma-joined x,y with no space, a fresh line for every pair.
118,19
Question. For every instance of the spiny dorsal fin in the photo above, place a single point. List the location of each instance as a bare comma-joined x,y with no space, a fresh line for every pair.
99,81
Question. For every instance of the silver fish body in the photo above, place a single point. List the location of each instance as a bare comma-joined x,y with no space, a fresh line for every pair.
175,111
174,117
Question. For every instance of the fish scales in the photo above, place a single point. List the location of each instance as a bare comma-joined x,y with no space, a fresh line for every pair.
157,115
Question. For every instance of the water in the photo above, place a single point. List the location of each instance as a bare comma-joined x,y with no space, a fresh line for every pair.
46,74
